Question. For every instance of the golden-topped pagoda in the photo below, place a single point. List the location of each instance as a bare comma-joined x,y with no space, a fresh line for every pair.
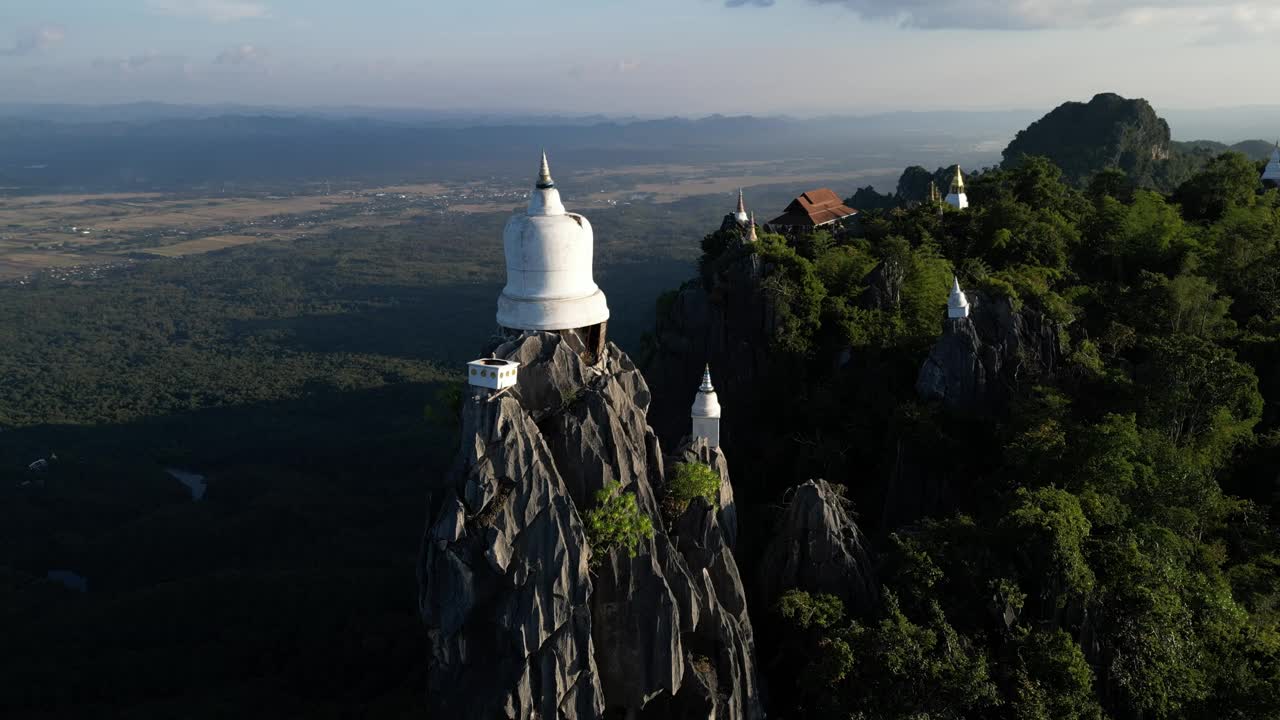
956,197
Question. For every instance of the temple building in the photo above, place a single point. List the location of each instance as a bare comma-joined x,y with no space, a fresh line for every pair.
956,197
1271,176
706,411
957,303
813,209
549,275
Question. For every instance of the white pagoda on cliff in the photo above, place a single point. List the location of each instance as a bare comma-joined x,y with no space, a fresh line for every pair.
706,411
741,213
549,275
957,303
955,196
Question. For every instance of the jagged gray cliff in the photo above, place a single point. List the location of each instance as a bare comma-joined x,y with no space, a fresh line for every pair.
725,320
519,627
504,587
817,547
979,360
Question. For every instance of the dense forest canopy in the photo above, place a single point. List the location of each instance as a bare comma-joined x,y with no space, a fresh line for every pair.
1100,543
312,383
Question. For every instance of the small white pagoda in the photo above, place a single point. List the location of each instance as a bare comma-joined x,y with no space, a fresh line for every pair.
956,197
741,213
957,303
706,411
1271,176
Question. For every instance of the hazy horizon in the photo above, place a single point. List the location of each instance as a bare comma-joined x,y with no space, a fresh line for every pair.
605,113
663,57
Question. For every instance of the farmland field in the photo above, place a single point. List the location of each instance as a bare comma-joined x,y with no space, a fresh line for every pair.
69,233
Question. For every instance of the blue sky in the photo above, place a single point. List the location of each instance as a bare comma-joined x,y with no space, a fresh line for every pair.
647,57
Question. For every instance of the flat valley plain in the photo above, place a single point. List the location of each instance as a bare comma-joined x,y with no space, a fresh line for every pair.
74,236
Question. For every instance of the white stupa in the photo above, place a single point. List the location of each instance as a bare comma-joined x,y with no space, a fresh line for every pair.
706,411
956,197
957,303
549,280
1271,176
741,213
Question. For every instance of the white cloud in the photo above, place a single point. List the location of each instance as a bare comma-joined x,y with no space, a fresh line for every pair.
219,11
1245,17
241,55
33,40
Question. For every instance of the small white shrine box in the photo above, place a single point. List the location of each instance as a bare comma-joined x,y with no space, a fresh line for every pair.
492,373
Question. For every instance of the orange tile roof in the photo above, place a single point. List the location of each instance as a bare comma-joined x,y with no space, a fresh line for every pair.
814,208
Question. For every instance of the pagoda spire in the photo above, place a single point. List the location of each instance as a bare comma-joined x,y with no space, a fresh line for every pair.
742,205
544,174
706,380
751,228
957,303
545,198
957,183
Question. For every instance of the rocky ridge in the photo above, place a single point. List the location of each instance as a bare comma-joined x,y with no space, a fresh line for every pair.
519,625
979,360
1109,131
817,547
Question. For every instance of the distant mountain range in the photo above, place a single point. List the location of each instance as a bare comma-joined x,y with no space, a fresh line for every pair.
1254,149
1231,124
143,112
173,147
157,146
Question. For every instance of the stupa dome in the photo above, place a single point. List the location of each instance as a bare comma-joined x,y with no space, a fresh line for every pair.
549,276
705,403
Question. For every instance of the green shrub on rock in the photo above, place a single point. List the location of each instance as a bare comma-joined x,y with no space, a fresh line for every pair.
688,481
615,523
